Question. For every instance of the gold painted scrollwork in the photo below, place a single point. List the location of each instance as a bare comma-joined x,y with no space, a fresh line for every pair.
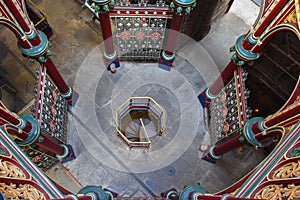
290,170
10,170
291,18
18,192
274,192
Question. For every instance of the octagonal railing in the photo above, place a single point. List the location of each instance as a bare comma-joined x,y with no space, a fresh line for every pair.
138,106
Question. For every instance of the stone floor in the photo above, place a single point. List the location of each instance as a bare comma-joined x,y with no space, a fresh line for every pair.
174,158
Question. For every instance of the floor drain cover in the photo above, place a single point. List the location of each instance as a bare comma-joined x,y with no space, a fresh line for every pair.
171,171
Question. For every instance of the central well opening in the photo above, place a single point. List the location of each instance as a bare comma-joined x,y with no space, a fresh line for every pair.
139,121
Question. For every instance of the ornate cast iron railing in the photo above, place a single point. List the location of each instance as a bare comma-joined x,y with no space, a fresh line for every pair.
50,110
229,110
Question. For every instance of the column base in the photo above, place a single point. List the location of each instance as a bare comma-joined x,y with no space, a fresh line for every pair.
71,96
96,192
203,99
208,158
69,154
211,157
166,60
170,194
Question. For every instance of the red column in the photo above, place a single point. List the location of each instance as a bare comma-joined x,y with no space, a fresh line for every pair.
167,56
35,44
110,54
58,80
43,141
12,118
222,80
23,21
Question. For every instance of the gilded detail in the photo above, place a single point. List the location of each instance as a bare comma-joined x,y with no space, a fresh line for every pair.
291,18
18,192
274,192
8,169
290,170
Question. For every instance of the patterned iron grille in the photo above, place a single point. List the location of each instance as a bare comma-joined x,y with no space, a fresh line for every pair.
139,38
50,108
229,110
43,160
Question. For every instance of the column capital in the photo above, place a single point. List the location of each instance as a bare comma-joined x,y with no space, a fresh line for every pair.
241,54
192,191
96,192
33,134
40,52
103,6
248,131
183,7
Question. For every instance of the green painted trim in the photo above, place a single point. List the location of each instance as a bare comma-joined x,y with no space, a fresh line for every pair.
101,2
251,40
185,2
23,123
208,95
212,154
245,54
31,35
171,192
65,154
34,133
295,152
189,189
94,191
110,57
167,57
35,51
248,133
68,94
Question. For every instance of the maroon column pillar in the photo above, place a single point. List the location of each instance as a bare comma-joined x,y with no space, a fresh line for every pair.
34,44
58,80
110,54
167,55
222,80
181,8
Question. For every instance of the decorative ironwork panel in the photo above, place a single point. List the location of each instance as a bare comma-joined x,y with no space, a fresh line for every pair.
42,160
228,111
143,3
50,108
139,33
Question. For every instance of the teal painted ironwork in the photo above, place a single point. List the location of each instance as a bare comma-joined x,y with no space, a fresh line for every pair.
185,194
95,191
35,51
248,133
34,133
243,53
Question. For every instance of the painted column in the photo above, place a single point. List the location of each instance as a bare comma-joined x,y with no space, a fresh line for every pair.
273,14
32,43
181,8
9,117
252,133
33,136
30,133
110,54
